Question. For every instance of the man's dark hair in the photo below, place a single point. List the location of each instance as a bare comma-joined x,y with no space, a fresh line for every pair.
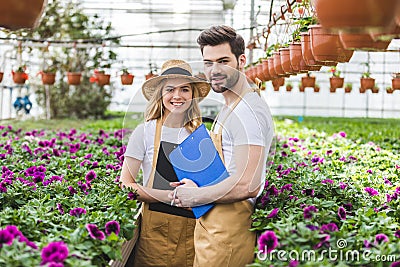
221,34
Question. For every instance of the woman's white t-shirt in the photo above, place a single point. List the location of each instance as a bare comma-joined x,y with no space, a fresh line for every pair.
141,143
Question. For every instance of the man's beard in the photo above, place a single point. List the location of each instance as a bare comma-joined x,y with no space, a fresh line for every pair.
230,81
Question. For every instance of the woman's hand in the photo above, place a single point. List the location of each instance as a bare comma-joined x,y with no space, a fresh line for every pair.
183,196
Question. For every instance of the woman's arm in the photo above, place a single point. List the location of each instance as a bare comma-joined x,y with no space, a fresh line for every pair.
130,169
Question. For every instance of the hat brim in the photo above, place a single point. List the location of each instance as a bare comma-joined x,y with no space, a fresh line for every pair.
152,85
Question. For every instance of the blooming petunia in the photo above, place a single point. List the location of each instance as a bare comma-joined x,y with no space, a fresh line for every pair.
112,226
90,176
94,232
312,227
5,238
132,196
273,213
77,212
267,242
371,191
342,213
367,244
397,233
327,181
330,227
324,241
307,212
380,238
395,264
54,252
342,134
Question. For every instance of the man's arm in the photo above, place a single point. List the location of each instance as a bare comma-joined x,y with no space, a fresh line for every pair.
243,184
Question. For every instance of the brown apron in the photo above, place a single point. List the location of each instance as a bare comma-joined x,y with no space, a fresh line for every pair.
222,236
165,239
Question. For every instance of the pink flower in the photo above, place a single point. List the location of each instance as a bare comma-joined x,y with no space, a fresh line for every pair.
273,213
267,242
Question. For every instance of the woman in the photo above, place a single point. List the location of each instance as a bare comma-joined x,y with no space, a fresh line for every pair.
166,236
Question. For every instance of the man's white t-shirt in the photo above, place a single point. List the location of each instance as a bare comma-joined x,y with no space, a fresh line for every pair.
141,143
250,123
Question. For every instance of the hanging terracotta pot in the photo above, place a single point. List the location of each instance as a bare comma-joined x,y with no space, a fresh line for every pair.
19,14
251,74
336,82
316,89
19,77
285,61
390,90
308,81
127,79
387,35
100,78
326,46
1,76
271,68
307,53
48,78
362,41
150,75
355,15
277,64
260,72
348,88
74,78
375,90
266,69
367,83
396,83
278,82
295,55
289,87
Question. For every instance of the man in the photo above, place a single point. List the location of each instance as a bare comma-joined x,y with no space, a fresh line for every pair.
242,134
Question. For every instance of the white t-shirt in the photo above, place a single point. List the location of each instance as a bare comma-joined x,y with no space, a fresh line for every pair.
141,143
250,123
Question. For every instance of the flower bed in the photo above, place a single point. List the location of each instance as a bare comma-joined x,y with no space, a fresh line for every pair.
329,201
60,203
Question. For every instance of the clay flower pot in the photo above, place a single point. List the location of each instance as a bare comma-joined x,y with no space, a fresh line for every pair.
19,14
266,69
271,68
308,81
74,78
1,76
277,64
336,82
362,41
367,83
127,79
396,83
278,82
19,77
356,15
48,78
285,60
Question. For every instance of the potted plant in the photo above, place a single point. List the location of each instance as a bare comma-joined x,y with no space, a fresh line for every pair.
307,81
348,87
316,88
48,75
126,77
396,81
289,86
375,89
19,75
389,90
74,77
100,77
366,81
335,81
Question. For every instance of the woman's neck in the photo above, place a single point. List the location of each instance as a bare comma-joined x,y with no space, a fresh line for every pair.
174,120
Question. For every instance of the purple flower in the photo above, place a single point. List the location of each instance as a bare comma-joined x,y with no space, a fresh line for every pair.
326,181
293,263
367,244
94,232
60,208
312,227
112,226
287,187
132,196
369,171
55,264
342,134
54,252
72,190
307,212
395,264
267,242
284,154
397,233
330,227
77,212
308,192
273,213
329,152
88,156
13,230
380,238
342,213
371,191
348,206
323,241
90,176
342,185
388,182
27,242
6,238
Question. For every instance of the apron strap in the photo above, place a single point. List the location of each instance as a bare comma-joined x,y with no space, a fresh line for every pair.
157,138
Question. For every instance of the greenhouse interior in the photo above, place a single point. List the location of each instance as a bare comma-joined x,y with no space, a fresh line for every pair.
74,99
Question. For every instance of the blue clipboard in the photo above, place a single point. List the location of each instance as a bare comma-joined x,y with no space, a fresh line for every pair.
197,159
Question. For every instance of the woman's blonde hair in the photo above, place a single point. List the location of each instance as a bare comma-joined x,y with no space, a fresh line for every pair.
155,108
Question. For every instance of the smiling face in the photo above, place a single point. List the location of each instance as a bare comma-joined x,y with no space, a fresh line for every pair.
177,95
221,67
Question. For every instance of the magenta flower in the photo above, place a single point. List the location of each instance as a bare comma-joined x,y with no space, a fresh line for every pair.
395,264
72,190
132,196
267,242
60,208
342,185
330,227
397,233
342,213
342,134
88,156
273,213
77,212
371,191
312,227
380,238
90,176
308,192
112,226
287,187
308,211
55,264
293,263
94,232
327,181
6,238
54,252
367,244
324,241
369,171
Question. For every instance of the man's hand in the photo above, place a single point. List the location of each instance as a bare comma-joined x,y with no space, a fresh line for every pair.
183,195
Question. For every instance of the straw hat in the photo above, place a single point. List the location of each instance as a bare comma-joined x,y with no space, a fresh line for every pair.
175,68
